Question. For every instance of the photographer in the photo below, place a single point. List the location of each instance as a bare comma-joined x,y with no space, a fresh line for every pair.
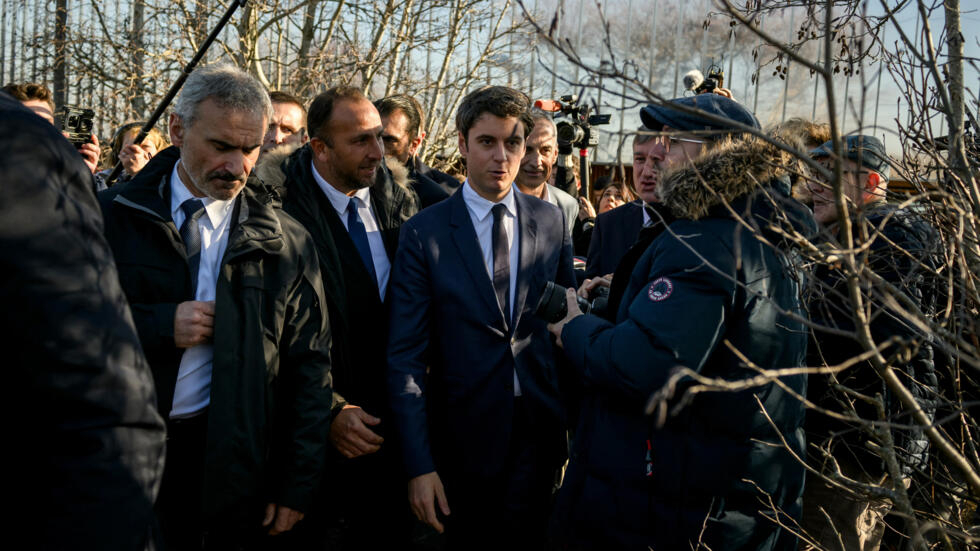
132,155
717,296
38,98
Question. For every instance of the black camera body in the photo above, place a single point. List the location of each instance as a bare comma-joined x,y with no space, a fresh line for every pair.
553,306
76,123
578,132
715,79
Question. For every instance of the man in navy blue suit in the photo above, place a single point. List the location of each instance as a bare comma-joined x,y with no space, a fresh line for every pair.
471,371
616,231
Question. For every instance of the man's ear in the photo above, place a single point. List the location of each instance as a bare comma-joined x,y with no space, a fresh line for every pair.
320,149
176,127
872,183
462,144
415,144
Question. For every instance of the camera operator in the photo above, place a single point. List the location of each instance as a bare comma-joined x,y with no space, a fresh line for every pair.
38,98
133,156
696,82
716,295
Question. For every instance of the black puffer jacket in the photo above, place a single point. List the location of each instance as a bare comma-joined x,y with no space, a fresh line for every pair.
717,293
270,388
85,443
907,255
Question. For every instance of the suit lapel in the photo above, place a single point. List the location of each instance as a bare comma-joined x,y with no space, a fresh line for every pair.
528,228
468,245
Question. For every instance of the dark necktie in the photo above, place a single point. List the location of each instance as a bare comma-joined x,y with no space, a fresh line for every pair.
501,261
358,234
191,235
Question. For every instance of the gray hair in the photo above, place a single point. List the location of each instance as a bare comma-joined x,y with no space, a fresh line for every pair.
542,115
643,135
228,86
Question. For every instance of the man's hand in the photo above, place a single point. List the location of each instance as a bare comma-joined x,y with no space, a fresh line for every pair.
573,312
585,209
724,92
134,158
285,518
90,153
193,323
589,284
423,493
350,434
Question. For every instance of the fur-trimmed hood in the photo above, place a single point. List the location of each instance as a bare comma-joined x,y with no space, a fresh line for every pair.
731,170
746,179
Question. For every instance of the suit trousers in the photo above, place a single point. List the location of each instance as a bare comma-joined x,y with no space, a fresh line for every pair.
508,510
179,503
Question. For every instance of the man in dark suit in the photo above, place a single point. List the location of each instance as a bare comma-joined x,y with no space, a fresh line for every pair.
401,117
337,186
541,152
616,231
471,371
226,295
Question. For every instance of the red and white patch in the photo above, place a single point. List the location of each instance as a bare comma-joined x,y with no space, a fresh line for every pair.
660,289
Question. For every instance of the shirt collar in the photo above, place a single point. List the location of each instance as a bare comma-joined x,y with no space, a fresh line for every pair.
216,210
337,199
481,207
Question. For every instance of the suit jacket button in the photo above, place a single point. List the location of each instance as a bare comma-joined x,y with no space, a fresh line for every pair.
513,341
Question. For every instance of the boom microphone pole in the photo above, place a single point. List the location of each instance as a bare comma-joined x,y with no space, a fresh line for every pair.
172,93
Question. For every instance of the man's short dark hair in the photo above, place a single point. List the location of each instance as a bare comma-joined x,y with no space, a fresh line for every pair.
30,91
285,97
407,105
499,101
322,109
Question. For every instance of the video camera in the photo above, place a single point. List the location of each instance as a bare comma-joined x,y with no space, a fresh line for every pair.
578,132
76,123
715,79
553,306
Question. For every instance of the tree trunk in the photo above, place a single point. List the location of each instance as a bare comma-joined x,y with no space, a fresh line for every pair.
137,101
60,52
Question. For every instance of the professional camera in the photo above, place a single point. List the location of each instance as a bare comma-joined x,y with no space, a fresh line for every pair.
715,79
553,307
76,123
578,133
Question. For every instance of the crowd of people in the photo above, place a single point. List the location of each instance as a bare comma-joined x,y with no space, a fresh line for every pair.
280,329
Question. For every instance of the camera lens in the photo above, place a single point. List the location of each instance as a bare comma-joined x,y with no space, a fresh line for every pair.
570,133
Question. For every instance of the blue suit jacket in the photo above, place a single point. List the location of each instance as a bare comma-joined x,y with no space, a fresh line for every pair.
457,418
614,233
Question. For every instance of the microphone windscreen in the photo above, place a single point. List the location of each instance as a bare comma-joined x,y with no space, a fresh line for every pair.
693,79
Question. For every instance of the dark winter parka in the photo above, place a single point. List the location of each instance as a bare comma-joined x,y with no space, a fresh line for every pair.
717,293
270,389
905,251
357,314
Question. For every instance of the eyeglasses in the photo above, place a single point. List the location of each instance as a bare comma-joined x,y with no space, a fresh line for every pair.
668,141
686,140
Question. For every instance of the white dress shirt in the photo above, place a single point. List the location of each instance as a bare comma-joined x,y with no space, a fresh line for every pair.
193,391
340,202
480,214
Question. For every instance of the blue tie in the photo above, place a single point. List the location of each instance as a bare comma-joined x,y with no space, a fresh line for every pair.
358,235
191,235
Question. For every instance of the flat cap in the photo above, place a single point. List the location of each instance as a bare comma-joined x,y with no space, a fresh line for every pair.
868,150
656,117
